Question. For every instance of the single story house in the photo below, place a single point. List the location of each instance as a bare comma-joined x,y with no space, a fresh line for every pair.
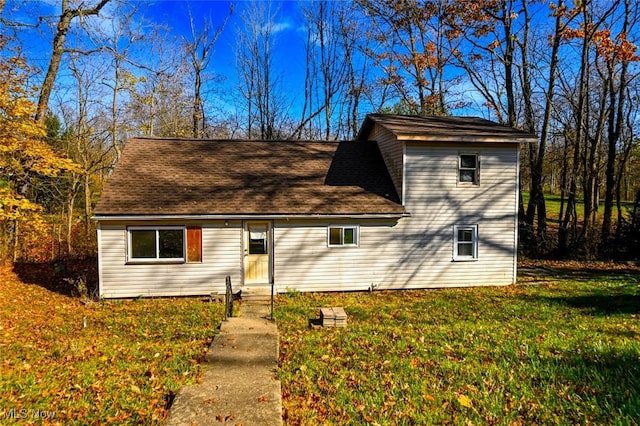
414,202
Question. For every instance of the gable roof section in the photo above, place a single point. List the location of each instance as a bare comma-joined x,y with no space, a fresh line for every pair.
184,177
444,129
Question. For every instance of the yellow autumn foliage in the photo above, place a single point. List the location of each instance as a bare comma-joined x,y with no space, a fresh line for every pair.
23,149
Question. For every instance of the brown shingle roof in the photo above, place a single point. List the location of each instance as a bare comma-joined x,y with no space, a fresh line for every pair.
225,177
446,129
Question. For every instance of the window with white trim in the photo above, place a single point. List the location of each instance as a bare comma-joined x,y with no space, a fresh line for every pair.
156,244
343,236
469,169
465,242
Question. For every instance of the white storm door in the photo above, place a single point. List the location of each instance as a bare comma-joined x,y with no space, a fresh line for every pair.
257,247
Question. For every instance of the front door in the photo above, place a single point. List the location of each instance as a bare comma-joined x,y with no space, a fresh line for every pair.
256,252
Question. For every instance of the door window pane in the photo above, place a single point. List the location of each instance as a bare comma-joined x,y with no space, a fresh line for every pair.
258,240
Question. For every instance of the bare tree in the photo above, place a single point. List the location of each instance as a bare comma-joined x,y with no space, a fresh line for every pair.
326,70
117,43
259,83
537,156
67,15
414,37
616,60
338,76
200,51
586,128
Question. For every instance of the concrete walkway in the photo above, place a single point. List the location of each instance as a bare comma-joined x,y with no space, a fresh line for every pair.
239,384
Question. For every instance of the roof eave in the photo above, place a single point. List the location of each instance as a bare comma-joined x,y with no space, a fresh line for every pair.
465,138
143,217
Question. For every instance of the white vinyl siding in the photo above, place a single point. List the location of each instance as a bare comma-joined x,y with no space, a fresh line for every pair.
221,248
437,203
392,153
303,260
416,251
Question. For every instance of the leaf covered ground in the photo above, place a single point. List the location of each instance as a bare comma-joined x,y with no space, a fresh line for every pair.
563,347
68,362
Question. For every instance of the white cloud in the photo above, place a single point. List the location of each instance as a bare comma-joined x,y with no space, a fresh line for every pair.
278,27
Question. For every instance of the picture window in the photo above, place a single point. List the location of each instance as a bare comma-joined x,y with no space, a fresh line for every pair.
165,244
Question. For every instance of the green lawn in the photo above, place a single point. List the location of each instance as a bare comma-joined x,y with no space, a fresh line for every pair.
552,204
562,351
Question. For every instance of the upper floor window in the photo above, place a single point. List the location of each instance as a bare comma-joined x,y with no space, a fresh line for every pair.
343,235
469,169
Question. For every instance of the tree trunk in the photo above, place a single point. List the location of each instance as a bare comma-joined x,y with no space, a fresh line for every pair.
614,127
64,23
569,222
536,200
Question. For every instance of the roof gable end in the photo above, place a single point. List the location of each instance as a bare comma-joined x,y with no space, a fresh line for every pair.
444,129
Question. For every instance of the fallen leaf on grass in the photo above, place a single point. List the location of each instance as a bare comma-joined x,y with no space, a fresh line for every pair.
464,401
262,399
222,418
428,398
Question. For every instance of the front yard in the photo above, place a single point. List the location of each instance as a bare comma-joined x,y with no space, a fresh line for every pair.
562,348
562,351
66,362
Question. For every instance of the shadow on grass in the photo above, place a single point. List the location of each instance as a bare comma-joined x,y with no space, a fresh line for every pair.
607,380
53,276
596,304
608,291
582,273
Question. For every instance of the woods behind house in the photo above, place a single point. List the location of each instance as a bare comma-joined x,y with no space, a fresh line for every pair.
566,71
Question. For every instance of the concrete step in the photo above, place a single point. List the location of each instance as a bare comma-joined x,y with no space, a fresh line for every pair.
260,293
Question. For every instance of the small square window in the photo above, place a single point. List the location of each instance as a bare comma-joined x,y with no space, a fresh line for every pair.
469,169
340,236
465,242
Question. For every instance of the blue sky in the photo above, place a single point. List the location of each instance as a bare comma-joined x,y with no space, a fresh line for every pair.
289,59
289,30
288,55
